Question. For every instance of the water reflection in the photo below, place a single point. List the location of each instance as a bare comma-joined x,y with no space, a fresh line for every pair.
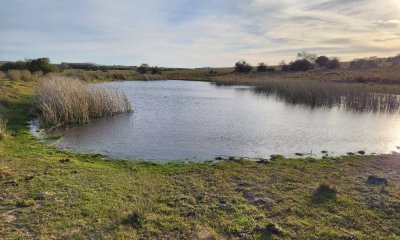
198,121
329,95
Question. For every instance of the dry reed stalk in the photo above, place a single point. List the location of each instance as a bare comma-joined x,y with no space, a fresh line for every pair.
64,100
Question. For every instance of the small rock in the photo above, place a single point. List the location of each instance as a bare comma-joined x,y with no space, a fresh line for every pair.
299,154
11,182
263,160
75,171
29,177
377,180
218,158
361,152
64,160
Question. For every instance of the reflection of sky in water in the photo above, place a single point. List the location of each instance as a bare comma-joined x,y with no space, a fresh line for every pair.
196,120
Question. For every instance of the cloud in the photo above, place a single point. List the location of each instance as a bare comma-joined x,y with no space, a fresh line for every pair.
189,33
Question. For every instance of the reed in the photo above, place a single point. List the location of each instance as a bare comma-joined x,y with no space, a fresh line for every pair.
328,94
63,100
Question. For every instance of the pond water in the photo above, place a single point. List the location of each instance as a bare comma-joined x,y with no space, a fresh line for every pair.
186,120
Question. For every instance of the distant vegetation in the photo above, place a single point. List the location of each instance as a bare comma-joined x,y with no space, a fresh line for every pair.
305,61
64,100
33,65
243,67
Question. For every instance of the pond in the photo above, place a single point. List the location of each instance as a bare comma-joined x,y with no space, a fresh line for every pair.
196,121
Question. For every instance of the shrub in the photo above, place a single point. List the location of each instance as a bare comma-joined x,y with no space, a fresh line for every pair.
41,64
63,100
243,67
301,65
333,64
26,75
144,68
321,61
262,67
359,64
155,70
14,74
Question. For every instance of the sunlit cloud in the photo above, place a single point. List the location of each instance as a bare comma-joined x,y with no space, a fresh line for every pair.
188,33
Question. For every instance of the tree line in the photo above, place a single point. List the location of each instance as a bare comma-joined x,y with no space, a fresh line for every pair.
304,62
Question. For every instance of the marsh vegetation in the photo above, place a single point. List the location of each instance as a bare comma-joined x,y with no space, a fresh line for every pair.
331,95
62,100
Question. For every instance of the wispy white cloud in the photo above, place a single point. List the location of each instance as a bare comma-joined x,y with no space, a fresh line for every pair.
193,33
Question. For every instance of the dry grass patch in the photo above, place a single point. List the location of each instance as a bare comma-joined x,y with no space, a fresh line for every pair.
3,126
63,100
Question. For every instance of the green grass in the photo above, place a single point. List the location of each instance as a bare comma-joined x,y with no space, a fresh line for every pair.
89,197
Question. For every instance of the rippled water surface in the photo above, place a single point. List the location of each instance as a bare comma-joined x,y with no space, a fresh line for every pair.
179,120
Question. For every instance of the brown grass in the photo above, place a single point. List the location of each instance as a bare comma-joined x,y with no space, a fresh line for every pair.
26,75
14,75
63,100
2,75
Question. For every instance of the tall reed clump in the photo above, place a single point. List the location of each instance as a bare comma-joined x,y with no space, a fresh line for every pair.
324,94
63,100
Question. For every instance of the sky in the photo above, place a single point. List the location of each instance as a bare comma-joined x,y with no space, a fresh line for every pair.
196,33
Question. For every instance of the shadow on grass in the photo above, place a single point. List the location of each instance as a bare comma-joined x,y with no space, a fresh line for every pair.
324,193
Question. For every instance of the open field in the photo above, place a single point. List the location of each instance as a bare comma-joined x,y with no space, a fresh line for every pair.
51,194
381,79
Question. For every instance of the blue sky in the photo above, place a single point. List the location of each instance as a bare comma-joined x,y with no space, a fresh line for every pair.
194,33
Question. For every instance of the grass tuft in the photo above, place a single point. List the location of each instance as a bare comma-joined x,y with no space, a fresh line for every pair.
324,193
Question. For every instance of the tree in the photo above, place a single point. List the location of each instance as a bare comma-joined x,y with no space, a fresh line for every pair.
304,55
243,67
155,70
301,65
262,67
144,68
41,64
322,61
333,64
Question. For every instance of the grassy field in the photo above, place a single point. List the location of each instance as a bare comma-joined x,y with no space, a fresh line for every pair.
50,194
381,79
